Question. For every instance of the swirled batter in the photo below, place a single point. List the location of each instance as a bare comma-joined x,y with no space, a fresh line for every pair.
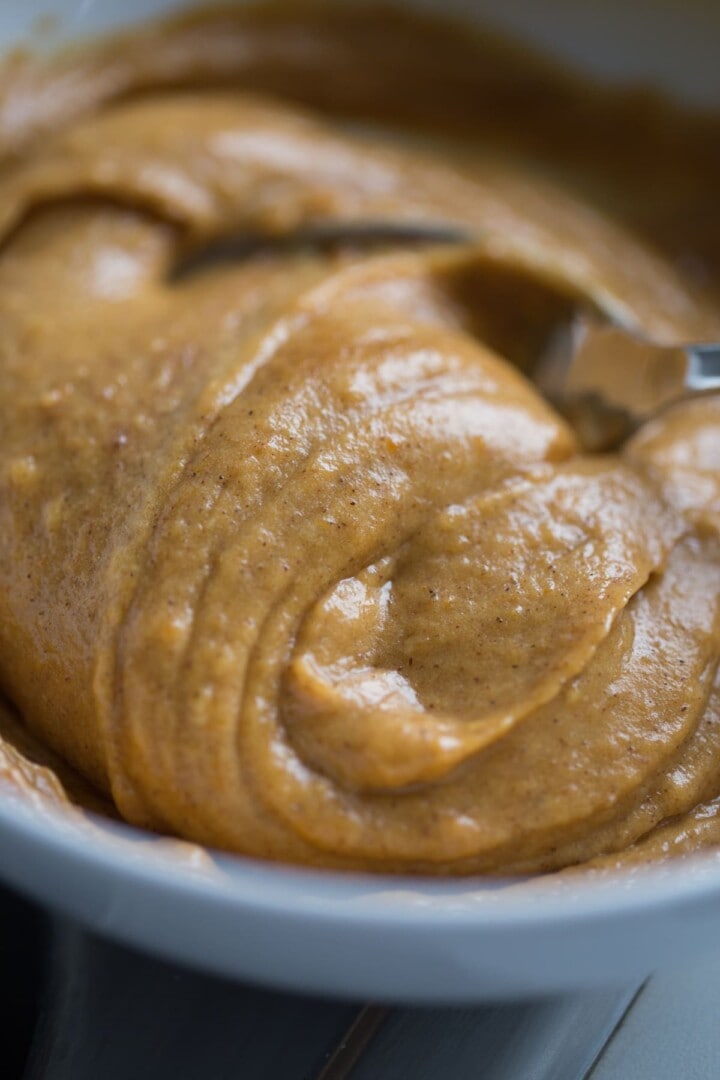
294,559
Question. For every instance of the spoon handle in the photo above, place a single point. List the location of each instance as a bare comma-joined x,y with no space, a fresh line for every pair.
703,371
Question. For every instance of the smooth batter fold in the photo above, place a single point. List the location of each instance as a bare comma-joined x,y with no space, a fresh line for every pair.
295,561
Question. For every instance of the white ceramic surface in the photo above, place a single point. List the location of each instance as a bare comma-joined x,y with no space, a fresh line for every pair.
352,935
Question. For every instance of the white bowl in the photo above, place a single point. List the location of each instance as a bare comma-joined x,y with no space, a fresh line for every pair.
370,937
363,936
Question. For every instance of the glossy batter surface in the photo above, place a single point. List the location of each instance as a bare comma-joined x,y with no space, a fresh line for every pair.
294,559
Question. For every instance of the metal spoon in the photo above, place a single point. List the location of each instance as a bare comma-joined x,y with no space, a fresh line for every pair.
608,380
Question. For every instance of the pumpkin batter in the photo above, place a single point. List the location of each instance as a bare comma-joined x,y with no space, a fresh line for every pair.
294,559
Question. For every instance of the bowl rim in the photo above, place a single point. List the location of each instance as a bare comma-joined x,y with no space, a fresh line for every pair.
119,851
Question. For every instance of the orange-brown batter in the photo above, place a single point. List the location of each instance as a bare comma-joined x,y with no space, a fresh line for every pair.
294,559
